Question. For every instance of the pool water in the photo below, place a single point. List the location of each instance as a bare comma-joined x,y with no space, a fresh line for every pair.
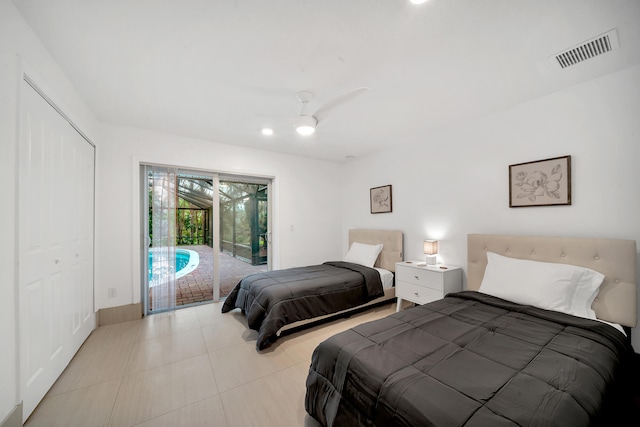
186,262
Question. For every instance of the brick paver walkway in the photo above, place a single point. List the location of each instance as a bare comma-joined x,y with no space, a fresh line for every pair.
197,286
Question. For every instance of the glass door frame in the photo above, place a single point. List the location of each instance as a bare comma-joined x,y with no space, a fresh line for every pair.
216,178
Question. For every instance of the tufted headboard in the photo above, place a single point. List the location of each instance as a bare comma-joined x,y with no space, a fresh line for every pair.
391,240
615,258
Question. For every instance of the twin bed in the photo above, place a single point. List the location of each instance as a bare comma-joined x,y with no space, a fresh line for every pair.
483,359
278,300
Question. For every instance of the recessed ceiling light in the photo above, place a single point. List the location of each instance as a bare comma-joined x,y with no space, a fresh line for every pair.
418,1
267,131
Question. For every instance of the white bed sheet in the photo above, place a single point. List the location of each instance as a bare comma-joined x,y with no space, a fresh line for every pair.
615,325
386,277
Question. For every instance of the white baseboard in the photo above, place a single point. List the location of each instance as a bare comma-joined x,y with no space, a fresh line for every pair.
14,419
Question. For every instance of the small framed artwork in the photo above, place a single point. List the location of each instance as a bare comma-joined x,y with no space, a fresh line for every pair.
380,199
540,183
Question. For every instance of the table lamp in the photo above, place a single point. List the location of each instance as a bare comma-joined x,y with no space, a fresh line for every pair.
430,250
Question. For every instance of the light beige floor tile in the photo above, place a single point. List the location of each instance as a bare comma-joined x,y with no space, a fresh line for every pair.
177,363
161,324
89,368
299,345
227,334
234,317
205,413
108,336
166,349
299,351
240,364
211,314
155,392
276,400
86,407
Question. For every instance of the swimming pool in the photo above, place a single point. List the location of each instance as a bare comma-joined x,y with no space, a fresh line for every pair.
186,261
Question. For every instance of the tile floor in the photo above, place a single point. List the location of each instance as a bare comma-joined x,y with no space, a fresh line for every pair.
192,367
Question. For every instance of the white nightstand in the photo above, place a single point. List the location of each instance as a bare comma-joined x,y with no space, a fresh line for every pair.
423,284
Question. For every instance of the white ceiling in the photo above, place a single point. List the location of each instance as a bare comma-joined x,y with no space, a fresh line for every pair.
222,69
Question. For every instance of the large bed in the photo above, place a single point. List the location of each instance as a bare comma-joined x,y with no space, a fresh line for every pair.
278,300
478,359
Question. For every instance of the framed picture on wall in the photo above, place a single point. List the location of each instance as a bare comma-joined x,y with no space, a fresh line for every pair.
540,183
380,199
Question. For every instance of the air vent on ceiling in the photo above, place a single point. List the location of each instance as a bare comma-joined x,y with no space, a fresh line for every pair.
586,50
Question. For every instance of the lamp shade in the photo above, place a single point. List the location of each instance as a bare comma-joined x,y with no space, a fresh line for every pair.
430,247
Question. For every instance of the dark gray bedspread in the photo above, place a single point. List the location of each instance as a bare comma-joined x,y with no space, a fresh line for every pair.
467,360
276,298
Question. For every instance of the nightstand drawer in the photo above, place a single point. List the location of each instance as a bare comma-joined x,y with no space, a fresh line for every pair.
417,293
421,277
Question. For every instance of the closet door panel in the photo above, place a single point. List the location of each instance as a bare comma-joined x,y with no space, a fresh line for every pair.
41,266
80,231
55,313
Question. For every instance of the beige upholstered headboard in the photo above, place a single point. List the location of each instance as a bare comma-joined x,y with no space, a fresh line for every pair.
615,258
391,240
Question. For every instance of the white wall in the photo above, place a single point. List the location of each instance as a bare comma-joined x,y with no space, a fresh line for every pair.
306,196
597,123
20,47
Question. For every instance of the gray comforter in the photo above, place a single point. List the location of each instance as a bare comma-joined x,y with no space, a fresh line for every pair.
276,298
468,360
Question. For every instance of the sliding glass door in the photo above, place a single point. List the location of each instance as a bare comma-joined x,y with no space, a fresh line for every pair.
205,232
244,230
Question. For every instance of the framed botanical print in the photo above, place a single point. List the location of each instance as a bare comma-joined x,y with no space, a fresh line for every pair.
540,183
380,199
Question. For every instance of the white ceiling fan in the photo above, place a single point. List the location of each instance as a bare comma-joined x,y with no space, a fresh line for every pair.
306,124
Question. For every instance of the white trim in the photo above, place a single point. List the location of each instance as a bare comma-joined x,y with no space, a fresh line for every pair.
33,79
137,231
216,238
44,96
18,134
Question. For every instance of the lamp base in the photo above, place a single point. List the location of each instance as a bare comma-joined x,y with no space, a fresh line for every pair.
430,259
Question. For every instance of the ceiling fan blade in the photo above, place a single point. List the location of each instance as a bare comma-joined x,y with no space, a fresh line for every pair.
321,113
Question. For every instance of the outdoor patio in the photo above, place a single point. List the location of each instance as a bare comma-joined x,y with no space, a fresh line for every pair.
197,286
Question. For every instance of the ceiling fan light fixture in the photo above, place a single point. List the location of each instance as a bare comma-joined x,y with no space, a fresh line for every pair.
306,125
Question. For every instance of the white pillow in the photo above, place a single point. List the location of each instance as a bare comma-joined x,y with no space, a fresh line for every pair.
560,287
363,254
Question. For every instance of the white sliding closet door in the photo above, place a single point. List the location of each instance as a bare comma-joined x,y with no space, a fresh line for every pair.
56,211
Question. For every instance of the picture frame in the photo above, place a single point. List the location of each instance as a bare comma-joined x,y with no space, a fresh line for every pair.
544,182
380,199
